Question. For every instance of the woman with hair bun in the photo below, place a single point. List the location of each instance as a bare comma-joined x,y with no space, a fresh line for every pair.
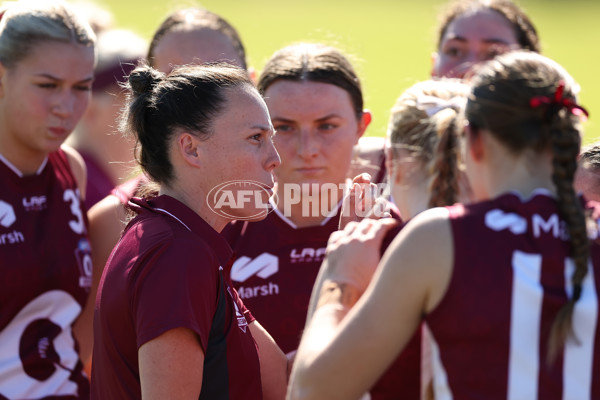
168,322
46,72
507,285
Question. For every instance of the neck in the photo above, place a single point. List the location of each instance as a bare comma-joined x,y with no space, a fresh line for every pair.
412,198
196,201
523,174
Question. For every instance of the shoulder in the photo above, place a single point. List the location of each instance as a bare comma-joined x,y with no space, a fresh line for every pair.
426,246
78,168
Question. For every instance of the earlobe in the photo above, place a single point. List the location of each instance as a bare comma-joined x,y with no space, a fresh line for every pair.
475,143
365,120
188,146
434,57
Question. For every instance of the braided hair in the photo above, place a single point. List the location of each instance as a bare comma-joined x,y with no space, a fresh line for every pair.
528,101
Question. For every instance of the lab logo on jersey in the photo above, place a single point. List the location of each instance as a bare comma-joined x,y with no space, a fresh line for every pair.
7,214
34,203
307,254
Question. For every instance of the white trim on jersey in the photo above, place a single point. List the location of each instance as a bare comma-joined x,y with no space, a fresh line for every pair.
441,389
294,226
17,171
579,352
168,213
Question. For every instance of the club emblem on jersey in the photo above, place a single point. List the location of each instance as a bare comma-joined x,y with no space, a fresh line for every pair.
83,254
241,320
7,214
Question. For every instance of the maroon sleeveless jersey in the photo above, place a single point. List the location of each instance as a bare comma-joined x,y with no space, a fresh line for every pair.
45,270
511,275
275,269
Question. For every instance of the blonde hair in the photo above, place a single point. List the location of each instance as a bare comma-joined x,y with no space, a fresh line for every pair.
26,23
425,122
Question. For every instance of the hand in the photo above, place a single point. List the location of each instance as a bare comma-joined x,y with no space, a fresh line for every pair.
353,254
361,201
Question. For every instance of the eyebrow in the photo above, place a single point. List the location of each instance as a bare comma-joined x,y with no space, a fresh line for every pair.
263,128
488,40
325,118
51,77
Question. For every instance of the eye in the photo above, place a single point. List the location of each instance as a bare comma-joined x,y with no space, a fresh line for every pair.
83,88
258,137
47,85
453,51
283,128
327,126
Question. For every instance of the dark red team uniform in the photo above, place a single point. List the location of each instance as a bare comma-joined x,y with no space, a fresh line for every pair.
511,276
275,269
45,269
167,272
274,272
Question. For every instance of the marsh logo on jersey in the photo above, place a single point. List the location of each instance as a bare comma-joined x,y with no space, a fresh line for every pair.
263,266
7,214
498,220
307,254
7,218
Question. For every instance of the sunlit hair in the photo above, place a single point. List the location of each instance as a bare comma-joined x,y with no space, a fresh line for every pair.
525,32
425,123
26,23
189,98
506,100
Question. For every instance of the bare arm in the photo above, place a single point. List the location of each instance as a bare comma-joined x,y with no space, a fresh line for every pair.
106,224
273,364
344,351
171,366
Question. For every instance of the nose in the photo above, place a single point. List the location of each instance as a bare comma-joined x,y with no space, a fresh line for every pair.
64,104
307,145
273,159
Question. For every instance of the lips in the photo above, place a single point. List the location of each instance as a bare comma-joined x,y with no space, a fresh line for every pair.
310,170
57,131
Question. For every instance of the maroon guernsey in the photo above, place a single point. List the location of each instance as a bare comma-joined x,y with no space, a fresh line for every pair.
511,275
45,270
275,269
274,272
166,272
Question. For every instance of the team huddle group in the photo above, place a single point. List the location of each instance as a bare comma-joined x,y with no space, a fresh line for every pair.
472,276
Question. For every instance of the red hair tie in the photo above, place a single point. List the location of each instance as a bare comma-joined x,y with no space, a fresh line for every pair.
559,102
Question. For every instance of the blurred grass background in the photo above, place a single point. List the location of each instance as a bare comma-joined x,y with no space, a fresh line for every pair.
390,41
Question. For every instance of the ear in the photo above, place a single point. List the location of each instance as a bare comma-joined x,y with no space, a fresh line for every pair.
434,57
252,74
474,143
188,149
363,123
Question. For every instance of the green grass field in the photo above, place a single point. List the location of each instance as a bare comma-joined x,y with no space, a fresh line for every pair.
391,41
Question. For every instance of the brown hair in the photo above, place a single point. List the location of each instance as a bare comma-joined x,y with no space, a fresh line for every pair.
425,121
190,19
525,32
501,103
190,98
27,23
313,63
